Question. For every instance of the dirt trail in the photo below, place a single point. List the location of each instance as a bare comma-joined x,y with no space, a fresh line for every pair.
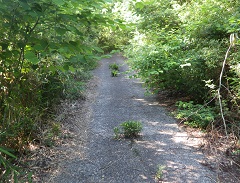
105,160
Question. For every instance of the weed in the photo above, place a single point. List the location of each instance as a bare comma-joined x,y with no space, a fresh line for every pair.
51,134
114,73
236,152
116,132
114,69
10,171
159,173
128,129
131,128
49,140
56,129
114,66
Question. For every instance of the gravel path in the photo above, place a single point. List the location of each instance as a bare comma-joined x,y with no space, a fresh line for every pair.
162,144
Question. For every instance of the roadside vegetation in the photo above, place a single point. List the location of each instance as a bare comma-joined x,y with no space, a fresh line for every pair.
191,49
47,48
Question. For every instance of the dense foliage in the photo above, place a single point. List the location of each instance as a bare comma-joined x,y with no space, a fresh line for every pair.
44,45
115,37
181,45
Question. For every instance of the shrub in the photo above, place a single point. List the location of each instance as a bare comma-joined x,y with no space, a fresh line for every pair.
184,49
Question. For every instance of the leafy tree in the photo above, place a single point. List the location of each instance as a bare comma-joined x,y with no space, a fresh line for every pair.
180,46
43,45
121,21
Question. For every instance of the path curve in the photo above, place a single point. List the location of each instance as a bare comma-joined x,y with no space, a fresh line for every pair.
163,144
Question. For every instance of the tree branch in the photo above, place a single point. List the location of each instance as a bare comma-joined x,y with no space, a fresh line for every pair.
32,29
232,43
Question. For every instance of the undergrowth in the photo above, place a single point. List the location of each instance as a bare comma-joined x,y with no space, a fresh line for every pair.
30,117
195,115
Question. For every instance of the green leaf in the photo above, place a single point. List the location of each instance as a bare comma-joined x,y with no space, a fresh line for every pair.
61,31
4,46
98,49
38,47
30,56
72,69
33,14
5,151
139,5
61,68
25,5
30,174
52,68
66,67
123,27
58,2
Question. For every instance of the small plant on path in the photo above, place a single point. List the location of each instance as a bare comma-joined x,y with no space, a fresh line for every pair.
114,73
114,69
114,66
159,173
128,129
